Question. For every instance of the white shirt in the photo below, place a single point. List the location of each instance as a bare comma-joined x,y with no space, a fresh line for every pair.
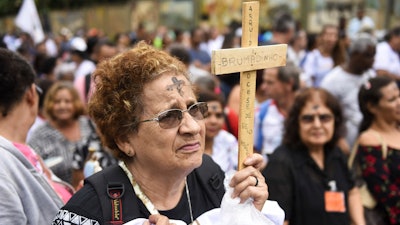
386,59
272,127
345,86
225,151
84,68
356,25
316,66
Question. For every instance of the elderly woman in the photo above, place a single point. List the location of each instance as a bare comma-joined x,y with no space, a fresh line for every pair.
147,113
379,148
308,175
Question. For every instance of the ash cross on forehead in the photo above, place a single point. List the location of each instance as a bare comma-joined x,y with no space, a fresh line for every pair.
247,60
177,84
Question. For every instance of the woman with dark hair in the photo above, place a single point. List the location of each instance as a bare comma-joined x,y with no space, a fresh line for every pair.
327,54
221,145
308,175
378,152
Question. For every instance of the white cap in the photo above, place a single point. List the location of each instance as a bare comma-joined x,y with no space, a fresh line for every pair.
78,44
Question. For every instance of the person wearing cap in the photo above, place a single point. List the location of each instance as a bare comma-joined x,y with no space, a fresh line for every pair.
83,65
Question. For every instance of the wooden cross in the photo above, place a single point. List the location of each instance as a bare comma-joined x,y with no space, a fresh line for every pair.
247,60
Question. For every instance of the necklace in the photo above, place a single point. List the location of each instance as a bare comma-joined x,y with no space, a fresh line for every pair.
146,201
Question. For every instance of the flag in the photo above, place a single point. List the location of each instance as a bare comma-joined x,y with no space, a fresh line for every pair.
28,21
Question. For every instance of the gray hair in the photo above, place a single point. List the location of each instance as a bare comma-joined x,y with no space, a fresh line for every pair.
289,73
361,43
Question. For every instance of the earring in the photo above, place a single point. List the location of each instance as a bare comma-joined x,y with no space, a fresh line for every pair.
129,153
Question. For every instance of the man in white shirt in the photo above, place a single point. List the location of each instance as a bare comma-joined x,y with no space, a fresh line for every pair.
360,23
280,85
344,81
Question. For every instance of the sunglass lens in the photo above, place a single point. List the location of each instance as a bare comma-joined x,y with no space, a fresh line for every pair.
307,118
325,118
198,111
169,119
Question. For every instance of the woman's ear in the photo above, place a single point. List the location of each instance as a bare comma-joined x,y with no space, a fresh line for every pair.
126,146
372,108
31,96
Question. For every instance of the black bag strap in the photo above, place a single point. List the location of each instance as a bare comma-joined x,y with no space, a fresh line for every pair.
211,178
113,189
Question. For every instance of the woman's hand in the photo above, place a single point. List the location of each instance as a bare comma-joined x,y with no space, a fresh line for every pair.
249,182
158,219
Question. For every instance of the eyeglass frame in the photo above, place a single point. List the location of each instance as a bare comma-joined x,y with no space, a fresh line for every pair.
157,117
328,118
38,90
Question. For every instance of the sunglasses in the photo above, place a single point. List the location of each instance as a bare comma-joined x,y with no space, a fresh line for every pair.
323,118
173,117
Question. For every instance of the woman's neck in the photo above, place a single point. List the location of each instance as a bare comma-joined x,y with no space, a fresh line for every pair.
164,191
318,155
324,52
70,129
383,126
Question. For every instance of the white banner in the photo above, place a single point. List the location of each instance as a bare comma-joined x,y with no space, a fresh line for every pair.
28,20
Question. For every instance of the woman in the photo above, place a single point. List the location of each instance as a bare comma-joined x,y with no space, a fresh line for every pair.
65,130
324,57
387,62
221,145
380,105
146,111
308,175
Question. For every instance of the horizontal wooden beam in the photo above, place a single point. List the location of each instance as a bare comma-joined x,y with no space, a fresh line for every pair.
248,58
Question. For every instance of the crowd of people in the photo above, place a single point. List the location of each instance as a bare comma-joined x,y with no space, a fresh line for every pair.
164,129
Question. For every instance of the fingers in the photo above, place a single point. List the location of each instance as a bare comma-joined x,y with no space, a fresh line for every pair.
250,183
255,160
256,184
158,219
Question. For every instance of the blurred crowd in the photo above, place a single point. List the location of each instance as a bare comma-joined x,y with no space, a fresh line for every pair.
321,83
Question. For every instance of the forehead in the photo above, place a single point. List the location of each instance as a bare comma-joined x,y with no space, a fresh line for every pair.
315,106
390,90
168,89
214,106
63,91
271,73
330,31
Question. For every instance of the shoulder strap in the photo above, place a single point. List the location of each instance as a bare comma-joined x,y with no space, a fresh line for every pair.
263,112
113,188
353,154
212,179
383,143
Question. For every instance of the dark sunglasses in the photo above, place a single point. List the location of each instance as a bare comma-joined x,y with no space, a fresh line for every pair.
323,118
173,117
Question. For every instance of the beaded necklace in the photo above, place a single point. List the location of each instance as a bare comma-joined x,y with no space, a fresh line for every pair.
146,201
